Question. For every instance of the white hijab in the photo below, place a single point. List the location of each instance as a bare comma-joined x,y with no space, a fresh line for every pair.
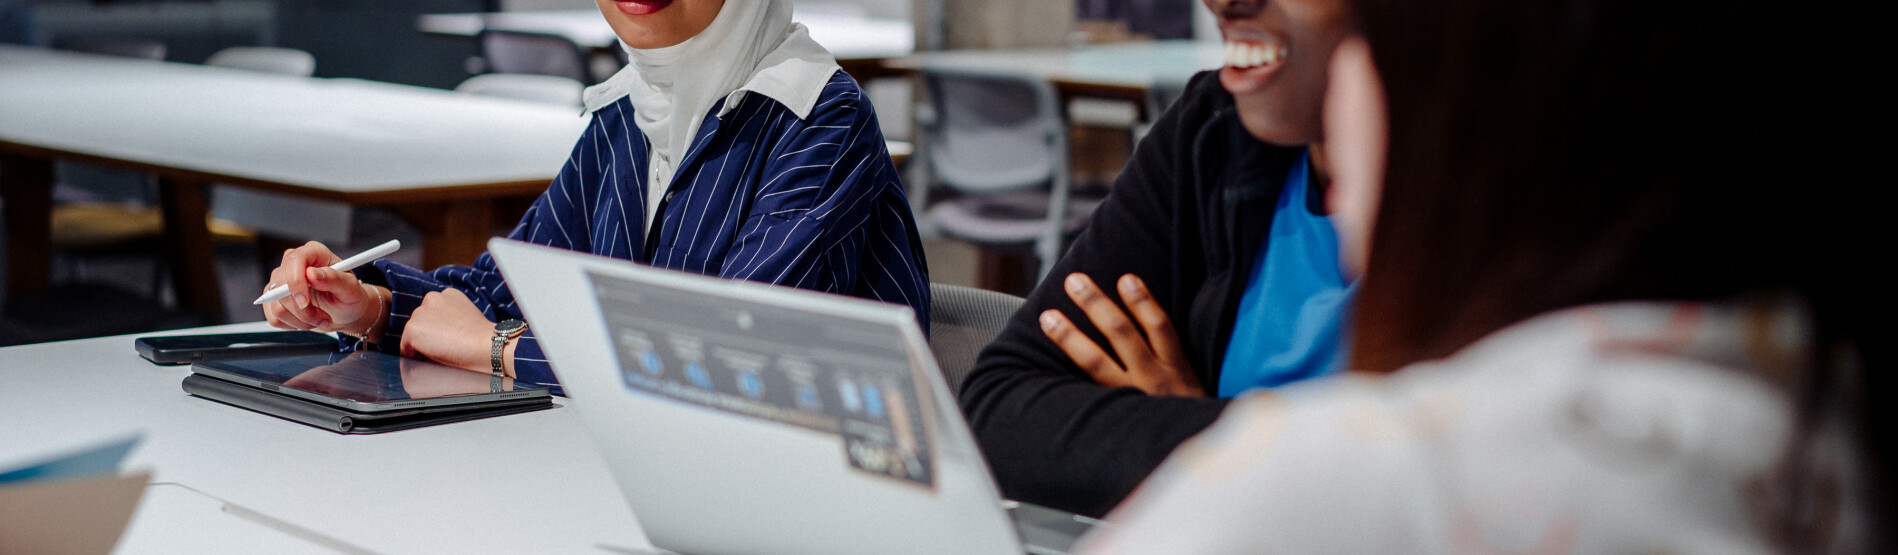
750,46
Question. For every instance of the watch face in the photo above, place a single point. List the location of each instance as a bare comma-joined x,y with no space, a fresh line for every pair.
509,327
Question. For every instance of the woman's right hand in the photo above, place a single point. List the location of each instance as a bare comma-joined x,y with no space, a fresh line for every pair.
321,299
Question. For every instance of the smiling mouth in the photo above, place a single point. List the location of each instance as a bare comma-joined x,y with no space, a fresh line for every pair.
1249,54
1252,62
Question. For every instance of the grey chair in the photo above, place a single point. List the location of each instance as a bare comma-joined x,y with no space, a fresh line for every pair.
997,142
963,320
533,53
265,59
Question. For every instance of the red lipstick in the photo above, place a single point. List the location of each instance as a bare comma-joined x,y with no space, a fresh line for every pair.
641,7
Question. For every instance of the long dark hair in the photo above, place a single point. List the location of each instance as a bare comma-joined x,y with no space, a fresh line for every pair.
1553,153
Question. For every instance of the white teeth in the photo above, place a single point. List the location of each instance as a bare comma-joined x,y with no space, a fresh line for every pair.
1241,54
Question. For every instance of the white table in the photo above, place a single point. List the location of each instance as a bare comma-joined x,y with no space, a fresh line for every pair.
1122,71
230,480
441,160
859,42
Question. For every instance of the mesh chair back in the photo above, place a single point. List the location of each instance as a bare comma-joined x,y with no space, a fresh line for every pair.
1000,140
963,320
533,88
993,132
265,59
533,53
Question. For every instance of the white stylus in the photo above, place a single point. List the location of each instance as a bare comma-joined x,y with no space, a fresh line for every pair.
364,257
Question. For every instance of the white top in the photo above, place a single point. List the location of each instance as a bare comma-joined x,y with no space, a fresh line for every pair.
1629,428
336,135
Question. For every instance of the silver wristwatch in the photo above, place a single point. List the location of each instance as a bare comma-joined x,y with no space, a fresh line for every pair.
503,331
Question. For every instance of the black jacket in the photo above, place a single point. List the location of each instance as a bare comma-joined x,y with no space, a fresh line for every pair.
1186,215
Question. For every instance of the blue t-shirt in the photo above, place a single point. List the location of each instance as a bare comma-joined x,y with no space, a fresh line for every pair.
1291,317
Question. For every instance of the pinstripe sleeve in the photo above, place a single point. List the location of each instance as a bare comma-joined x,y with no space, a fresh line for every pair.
559,218
831,214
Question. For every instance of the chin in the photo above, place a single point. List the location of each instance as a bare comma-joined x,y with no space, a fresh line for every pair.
1276,135
1276,129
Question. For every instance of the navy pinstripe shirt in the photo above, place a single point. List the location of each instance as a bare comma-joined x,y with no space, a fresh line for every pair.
761,195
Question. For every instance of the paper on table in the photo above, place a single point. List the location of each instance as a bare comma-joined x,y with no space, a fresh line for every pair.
98,460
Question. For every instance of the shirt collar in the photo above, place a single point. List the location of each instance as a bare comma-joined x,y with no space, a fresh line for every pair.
793,74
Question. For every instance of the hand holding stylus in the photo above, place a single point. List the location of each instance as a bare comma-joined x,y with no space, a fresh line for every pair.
283,290
320,294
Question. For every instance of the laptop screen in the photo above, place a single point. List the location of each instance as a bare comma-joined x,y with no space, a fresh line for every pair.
835,376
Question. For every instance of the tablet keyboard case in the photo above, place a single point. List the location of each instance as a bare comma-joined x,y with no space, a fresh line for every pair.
344,421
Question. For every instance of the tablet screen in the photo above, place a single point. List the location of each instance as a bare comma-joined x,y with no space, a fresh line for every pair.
363,376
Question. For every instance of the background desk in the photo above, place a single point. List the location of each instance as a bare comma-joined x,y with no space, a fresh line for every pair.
441,160
526,483
1119,71
860,43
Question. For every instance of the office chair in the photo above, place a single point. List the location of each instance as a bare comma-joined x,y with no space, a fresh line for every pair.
547,89
265,59
998,143
963,320
533,53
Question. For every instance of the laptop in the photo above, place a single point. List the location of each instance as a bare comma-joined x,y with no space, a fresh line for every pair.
739,417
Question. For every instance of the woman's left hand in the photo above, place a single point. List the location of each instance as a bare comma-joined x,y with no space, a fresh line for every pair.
1154,362
447,328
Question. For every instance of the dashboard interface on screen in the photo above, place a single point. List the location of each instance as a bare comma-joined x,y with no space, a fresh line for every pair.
849,378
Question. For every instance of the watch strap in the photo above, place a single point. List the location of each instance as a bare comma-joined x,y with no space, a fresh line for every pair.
502,333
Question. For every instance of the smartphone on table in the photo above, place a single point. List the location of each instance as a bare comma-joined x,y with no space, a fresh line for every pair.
186,349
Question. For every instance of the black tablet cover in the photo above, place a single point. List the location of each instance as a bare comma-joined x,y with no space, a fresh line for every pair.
344,421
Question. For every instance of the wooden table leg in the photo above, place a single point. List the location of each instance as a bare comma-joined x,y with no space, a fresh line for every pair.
26,184
453,232
188,248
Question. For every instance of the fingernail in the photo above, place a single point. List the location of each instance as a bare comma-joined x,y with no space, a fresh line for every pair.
303,301
1075,284
1048,321
1129,285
